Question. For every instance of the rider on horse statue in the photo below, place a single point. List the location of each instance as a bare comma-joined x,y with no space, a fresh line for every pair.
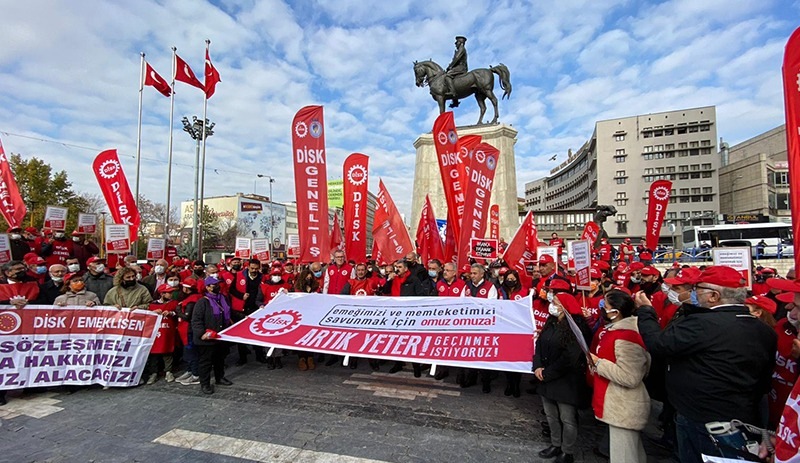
457,67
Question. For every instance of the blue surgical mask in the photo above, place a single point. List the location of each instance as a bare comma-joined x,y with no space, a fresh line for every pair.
602,304
41,269
318,273
433,273
693,298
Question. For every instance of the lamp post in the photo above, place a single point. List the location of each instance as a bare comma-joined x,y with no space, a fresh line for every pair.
271,216
195,130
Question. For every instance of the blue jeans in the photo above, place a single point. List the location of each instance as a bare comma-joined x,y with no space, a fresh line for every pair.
693,440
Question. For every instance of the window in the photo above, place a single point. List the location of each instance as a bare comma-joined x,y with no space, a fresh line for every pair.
622,195
708,198
659,147
706,174
619,137
648,149
672,215
694,152
681,130
683,176
658,133
620,173
647,134
705,150
781,178
706,166
684,191
683,145
705,128
685,214
694,144
648,171
683,153
693,129
705,143
694,176
621,152
670,169
707,189
694,167
659,170
684,199
668,131
620,181
622,228
619,159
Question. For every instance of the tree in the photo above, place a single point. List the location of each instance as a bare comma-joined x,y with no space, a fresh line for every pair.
40,187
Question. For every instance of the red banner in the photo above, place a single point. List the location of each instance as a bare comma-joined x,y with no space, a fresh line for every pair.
445,139
590,232
657,210
481,171
356,181
523,246
494,222
11,204
311,184
337,240
114,185
389,230
791,94
429,243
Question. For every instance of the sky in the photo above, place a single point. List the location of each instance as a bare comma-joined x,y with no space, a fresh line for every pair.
69,79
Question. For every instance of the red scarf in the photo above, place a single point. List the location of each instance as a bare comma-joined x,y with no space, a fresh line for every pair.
397,283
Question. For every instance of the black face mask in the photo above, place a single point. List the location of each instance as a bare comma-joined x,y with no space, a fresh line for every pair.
607,284
199,272
236,267
18,276
128,283
215,290
509,283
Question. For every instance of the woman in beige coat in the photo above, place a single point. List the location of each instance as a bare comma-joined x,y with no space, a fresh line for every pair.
621,362
74,293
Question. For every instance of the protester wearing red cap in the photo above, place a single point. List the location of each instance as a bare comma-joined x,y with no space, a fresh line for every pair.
96,278
603,252
19,247
718,347
560,366
20,289
75,293
183,312
83,248
37,267
626,251
164,345
762,308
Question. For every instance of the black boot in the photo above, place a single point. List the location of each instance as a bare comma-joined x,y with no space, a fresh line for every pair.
207,389
332,361
397,367
417,369
242,360
550,452
353,363
375,365
270,363
441,373
278,363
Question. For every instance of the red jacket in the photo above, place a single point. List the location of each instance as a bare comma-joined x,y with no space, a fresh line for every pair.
336,277
271,289
785,374
28,289
365,287
454,289
60,250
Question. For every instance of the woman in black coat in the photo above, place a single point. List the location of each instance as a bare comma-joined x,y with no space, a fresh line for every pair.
211,314
560,365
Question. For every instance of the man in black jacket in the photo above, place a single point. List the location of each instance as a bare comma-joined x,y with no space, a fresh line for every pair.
405,283
249,297
211,314
720,358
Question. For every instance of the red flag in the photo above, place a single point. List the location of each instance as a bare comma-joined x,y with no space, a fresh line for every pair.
657,210
787,446
388,228
114,186
523,246
11,204
376,253
466,147
590,232
311,184
449,244
481,171
445,141
494,222
429,243
337,241
212,76
154,79
791,94
356,181
184,73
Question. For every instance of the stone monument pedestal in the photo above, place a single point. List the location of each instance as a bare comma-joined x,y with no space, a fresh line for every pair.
428,179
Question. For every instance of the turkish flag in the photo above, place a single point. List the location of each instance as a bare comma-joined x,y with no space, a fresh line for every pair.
154,79
356,180
429,243
184,73
524,246
791,94
11,204
388,228
212,76
114,185
481,171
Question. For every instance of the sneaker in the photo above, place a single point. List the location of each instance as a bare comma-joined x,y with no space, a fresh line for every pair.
302,365
152,379
185,375
311,364
169,377
190,381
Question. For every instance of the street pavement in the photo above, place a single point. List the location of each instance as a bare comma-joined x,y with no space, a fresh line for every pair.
331,414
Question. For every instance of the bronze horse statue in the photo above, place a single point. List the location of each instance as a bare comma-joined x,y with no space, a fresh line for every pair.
479,82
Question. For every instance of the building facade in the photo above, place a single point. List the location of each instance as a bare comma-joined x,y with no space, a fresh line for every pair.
754,178
623,157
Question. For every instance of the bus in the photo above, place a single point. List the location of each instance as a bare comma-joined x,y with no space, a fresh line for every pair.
776,235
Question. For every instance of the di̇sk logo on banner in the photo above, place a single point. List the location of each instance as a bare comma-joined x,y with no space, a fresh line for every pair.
276,323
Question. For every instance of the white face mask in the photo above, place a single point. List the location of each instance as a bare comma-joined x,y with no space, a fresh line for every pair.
635,280
159,269
672,295
664,288
173,283
276,278
99,268
213,275
76,239
73,268
15,236
553,310
57,279
550,297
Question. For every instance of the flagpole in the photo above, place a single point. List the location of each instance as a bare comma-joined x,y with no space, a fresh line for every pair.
203,168
139,145
169,146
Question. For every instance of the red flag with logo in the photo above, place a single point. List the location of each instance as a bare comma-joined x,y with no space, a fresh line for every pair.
523,246
154,79
429,243
356,181
791,94
590,232
445,139
657,210
494,222
388,228
311,184
337,241
11,204
183,73
212,77
466,146
114,185
376,252
481,171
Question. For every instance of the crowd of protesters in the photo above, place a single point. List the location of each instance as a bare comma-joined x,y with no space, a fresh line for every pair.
692,338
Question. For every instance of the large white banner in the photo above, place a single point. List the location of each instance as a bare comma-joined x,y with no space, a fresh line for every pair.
466,332
51,346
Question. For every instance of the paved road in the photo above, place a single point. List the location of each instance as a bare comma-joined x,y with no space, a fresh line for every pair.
330,414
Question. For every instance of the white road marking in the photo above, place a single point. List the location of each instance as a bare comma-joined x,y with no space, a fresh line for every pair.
251,450
35,406
401,385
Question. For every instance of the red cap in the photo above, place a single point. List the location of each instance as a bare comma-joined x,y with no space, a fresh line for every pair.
559,284
601,265
789,288
636,266
32,258
685,276
276,271
627,240
768,271
465,268
94,259
32,230
763,302
189,283
11,229
595,274
570,303
277,263
622,265
76,233
383,263
165,288
546,259
623,289
69,276
652,271
722,275
503,270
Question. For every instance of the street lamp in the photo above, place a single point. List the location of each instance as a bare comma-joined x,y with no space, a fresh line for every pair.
271,216
195,130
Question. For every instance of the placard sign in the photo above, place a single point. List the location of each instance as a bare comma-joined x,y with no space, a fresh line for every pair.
156,248
87,223
55,218
260,249
242,248
738,258
483,248
118,238
582,257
